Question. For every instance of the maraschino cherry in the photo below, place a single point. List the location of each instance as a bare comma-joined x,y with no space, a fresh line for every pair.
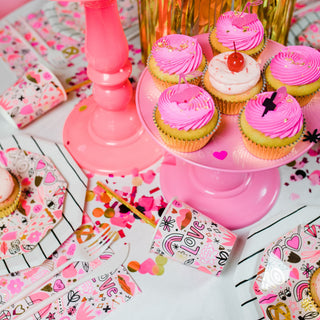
235,61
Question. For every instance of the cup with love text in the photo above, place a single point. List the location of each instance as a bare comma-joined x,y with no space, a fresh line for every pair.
188,236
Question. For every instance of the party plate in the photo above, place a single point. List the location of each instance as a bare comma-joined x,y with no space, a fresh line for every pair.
40,208
283,284
280,236
40,240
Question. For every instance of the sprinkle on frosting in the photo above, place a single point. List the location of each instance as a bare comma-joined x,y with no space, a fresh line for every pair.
192,113
246,37
296,65
228,82
177,54
6,184
286,120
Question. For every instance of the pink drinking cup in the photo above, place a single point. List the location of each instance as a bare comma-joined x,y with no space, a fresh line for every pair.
191,238
34,94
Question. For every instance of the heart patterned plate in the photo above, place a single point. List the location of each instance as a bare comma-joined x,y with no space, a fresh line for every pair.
282,285
51,205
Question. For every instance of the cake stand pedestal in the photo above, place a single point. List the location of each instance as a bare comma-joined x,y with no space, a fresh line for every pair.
234,200
104,132
222,180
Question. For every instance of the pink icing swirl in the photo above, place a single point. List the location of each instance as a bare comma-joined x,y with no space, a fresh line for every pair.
190,113
247,37
296,65
285,120
177,54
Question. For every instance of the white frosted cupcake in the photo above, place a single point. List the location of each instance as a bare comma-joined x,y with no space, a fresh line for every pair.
231,89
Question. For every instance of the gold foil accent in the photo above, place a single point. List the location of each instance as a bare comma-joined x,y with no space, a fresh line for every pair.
158,18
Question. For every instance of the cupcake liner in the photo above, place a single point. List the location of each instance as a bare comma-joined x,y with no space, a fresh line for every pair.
214,50
303,100
162,84
267,152
10,207
312,302
253,55
230,107
185,145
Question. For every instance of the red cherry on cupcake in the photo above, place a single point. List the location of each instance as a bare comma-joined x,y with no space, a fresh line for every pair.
235,61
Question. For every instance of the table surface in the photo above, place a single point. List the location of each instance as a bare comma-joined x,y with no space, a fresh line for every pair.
180,292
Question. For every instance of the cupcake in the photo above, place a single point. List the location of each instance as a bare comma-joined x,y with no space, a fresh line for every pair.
232,88
314,287
186,117
245,29
298,69
9,193
174,58
271,124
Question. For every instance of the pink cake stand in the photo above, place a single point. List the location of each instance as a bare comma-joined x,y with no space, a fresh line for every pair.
103,132
222,180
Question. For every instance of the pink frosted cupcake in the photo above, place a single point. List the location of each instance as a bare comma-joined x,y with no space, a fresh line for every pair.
243,29
298,69
175,58
271,124
186,117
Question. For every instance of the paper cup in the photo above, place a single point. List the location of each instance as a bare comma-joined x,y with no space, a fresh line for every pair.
191,238
37,92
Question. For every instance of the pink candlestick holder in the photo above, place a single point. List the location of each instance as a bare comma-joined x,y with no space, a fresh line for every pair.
104,132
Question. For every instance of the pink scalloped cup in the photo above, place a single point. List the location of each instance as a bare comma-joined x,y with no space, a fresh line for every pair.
34,94
191,238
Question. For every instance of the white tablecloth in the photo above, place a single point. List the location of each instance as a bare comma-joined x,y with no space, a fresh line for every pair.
181,292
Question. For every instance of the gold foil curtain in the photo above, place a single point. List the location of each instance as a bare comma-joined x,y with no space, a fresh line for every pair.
158,18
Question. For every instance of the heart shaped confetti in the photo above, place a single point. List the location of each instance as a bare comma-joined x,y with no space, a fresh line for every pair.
220,155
